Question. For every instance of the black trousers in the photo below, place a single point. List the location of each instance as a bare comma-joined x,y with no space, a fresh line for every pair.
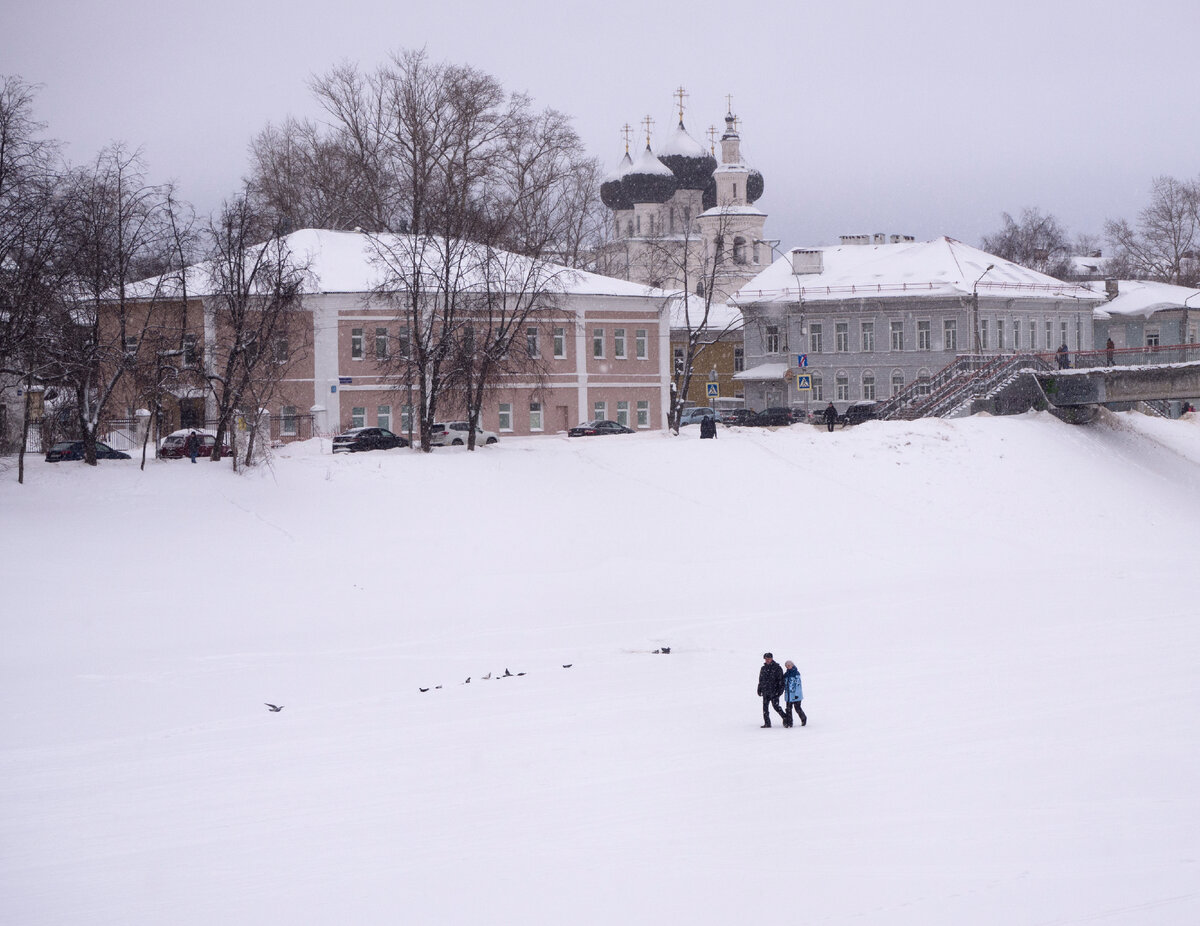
772,701
799,710
829,424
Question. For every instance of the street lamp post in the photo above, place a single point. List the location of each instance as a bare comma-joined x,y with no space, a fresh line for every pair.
977,346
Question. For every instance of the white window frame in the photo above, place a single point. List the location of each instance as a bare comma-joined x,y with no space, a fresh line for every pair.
924,334
897,382
536,417
619,344
287,421
600,411
356,343
533,342
867,333
641,343
868,384
383,417
381,345
950,334
814,338
841,337
896,334
598,343
818,387
504,417
560,343
643,413
622,413
771,339
841,386
358,416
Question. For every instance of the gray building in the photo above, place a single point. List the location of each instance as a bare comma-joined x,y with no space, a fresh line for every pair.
874,314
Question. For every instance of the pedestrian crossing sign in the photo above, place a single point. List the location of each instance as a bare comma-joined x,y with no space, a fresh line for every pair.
712,390
803,382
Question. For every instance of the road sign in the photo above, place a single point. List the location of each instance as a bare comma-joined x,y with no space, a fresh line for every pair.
712,390
802,360
803,382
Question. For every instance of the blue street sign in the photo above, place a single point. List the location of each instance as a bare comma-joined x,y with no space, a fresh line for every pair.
802,360
345,380
803,382
712,390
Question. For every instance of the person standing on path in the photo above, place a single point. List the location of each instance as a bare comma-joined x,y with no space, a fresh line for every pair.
770,687
794,694
193,445
708,427
1109,348
830,416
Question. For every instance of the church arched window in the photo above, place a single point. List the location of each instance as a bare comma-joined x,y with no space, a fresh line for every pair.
739,250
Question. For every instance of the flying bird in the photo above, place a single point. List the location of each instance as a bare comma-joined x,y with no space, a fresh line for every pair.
568,665
520,673
422,689
507,674
274,708
486,677
468,681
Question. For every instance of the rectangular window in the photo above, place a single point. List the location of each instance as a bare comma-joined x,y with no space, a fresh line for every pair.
619,343
1016,335
623,414
1063,329
279,350
406,418
403,343
842,387
600,411
818,388
381,344
842,337
643,413
505,416
999,334
771,342
1032,335
868,336
924,337
983,334
678,362
190,354
356,344
287,421
641,344
598,343
535,416
1152,337
383,416
897,332
950,334
739,359
358,417
1049,335
131,345
814,339
531,342
560,343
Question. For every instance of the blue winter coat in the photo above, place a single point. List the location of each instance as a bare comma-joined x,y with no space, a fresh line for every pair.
791,683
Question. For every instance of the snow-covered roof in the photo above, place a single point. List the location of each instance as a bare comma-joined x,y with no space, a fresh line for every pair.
683,144
355,262
1142,298
941,267
624,167
647,163
732,210
722,315
763,371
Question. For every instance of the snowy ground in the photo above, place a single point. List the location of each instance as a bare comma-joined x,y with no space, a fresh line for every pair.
996,620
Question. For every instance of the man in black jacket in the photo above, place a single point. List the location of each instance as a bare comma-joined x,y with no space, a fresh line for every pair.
770,687
831,416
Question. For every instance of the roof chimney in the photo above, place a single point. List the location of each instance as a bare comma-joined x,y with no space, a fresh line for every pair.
848,240
806,261
1112,288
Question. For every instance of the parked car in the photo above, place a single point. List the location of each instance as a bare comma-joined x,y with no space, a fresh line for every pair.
73,450
174,445
695,415
454,434
739,416
774,417
859,412
598,427
360,439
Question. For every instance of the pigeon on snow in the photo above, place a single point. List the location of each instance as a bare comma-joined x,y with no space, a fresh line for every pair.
274,708
507,674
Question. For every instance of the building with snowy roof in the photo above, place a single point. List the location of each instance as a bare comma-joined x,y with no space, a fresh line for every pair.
600,344
876,313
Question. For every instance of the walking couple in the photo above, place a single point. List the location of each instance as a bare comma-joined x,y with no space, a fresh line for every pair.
773,682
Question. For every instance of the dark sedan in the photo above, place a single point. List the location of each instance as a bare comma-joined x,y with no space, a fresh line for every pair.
359,439
774,417
739,416
73,450
594,428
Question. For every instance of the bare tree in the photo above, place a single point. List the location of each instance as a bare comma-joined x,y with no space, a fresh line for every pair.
1165,243
113,225
256,287
1037,241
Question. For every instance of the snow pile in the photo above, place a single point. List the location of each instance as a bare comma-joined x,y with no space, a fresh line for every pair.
994,618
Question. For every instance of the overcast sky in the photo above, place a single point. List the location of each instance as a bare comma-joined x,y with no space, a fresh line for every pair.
922,117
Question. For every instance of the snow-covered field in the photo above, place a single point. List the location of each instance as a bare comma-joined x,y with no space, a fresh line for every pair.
996,620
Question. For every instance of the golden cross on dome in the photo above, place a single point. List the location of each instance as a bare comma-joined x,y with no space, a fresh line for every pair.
627,133
682,95
648,124
712,139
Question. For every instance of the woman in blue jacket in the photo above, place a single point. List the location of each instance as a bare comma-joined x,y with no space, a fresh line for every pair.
794,692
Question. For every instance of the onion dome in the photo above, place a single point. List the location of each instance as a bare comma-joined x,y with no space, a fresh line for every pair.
612,194
754,185
689,162
708,199
649,180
